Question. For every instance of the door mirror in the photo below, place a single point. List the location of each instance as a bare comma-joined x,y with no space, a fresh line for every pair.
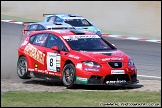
113,45
55,48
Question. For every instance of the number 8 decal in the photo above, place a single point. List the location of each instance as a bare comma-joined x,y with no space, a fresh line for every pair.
51,61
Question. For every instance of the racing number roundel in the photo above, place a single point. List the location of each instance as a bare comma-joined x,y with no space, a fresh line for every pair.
52,61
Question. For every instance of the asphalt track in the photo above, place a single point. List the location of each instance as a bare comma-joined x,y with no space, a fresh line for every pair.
146,55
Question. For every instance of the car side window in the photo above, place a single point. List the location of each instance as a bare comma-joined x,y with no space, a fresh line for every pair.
32,39
40,27
51,19
33,27
40,39
27,28
54,41
57,19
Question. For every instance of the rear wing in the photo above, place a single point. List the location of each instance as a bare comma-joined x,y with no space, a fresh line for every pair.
25,23
72,15
52,14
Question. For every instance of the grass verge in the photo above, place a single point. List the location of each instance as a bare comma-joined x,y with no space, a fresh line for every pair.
79,99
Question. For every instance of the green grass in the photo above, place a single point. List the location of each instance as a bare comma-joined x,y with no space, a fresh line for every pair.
75,99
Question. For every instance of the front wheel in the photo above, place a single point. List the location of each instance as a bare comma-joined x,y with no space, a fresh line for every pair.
22,68
69,76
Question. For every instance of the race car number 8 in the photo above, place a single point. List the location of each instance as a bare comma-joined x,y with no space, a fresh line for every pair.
51,61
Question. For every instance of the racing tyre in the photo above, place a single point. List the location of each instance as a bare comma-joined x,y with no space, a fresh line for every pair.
69,76
22,68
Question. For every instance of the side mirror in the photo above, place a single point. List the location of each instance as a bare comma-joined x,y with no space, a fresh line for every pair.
55,48
113,45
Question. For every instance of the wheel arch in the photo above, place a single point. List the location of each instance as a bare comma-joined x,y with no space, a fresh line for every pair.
66,62
28,60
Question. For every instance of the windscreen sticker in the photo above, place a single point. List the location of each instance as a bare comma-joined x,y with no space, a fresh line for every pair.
76,37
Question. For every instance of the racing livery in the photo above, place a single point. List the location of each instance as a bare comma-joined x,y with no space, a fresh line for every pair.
74,57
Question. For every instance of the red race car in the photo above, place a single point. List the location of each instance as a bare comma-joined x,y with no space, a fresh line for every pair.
74,57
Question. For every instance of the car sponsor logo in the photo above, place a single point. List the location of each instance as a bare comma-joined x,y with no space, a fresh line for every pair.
79,65
34,53
107,59
92,69
73,56
116,82
51,73
76,37
82,80
30,69
117,72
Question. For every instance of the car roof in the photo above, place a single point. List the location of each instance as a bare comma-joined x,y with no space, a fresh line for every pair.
53,25
64,16
65,32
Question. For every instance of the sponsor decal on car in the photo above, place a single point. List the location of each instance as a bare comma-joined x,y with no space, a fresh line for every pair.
79,65
82,80
117,72
73,56
76,37
107,59
51,73
30,69
92,69
34,53
116,82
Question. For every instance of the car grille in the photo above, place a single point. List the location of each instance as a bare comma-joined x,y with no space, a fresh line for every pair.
115,64
95,80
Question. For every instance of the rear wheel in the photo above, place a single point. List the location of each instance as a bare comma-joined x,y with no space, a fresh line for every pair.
69,75
22,68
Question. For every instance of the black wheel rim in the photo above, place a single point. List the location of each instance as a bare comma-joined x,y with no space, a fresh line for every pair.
22,67
69,75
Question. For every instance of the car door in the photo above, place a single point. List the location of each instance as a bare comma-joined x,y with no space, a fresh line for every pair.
55,58
38,54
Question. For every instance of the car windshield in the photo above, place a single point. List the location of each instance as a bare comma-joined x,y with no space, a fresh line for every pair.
87,43
77,22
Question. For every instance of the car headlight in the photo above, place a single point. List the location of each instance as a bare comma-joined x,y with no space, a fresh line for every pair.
130,63
91,64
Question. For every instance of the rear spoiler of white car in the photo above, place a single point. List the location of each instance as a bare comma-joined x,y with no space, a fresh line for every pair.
25,23
72,15
52,14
